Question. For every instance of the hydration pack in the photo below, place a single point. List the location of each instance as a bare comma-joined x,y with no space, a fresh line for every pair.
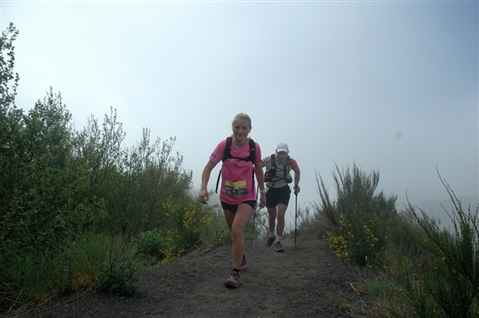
270,175
227,155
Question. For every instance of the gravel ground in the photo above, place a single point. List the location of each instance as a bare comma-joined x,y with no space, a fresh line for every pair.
307,280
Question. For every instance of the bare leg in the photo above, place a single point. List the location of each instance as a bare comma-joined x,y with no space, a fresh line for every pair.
272,218
237,223
281,212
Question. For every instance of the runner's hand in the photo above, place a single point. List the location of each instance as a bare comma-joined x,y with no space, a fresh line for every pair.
262,201
204,196
297,189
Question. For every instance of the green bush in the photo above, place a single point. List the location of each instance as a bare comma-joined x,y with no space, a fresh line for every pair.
27,277
360,220
89,253
151,243
217,232
121,279
104,261
446,283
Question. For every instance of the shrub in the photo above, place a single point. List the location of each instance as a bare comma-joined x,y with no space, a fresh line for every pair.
151,243
121,279
448,283
218,233
360,219
186,222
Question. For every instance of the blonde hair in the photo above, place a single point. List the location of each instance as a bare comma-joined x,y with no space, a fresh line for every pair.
242,116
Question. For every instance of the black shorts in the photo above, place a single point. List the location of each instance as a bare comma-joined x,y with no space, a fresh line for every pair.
234,207
275,196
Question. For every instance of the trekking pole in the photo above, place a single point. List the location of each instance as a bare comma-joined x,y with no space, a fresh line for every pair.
295,217
254,216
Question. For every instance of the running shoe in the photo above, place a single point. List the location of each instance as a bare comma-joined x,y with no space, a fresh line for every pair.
278,247
270,241
233,281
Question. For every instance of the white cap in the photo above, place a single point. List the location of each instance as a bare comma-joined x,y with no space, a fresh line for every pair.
282,147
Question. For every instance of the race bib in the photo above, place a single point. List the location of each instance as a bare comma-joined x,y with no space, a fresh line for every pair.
236,189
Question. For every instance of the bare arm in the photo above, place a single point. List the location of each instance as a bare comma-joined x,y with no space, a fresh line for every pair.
258,169
297,176
265,161
205,177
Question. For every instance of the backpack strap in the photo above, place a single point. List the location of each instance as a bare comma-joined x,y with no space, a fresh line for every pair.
252,157
271,173
287,167
218,180
272,170
227,152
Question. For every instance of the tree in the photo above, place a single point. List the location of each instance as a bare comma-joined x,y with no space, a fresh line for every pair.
10,116
10,126
6,67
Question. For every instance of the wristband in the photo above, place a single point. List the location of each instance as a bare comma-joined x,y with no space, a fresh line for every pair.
262,191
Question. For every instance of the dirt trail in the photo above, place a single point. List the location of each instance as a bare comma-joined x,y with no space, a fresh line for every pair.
301,282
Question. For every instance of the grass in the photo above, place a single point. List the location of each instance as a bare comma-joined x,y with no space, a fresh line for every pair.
415,268
421,269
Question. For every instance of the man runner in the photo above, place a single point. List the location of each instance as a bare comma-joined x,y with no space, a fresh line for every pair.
277,178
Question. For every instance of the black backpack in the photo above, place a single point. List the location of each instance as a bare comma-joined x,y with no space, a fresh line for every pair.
271,173
227,155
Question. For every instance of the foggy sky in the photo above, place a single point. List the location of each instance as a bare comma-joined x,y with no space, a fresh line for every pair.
389,86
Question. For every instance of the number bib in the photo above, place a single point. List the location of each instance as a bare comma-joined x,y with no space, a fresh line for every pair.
236,189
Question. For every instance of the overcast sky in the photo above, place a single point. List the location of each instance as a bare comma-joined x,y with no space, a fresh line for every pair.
389,86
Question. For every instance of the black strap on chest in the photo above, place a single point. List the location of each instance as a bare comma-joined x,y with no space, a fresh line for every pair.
271,173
